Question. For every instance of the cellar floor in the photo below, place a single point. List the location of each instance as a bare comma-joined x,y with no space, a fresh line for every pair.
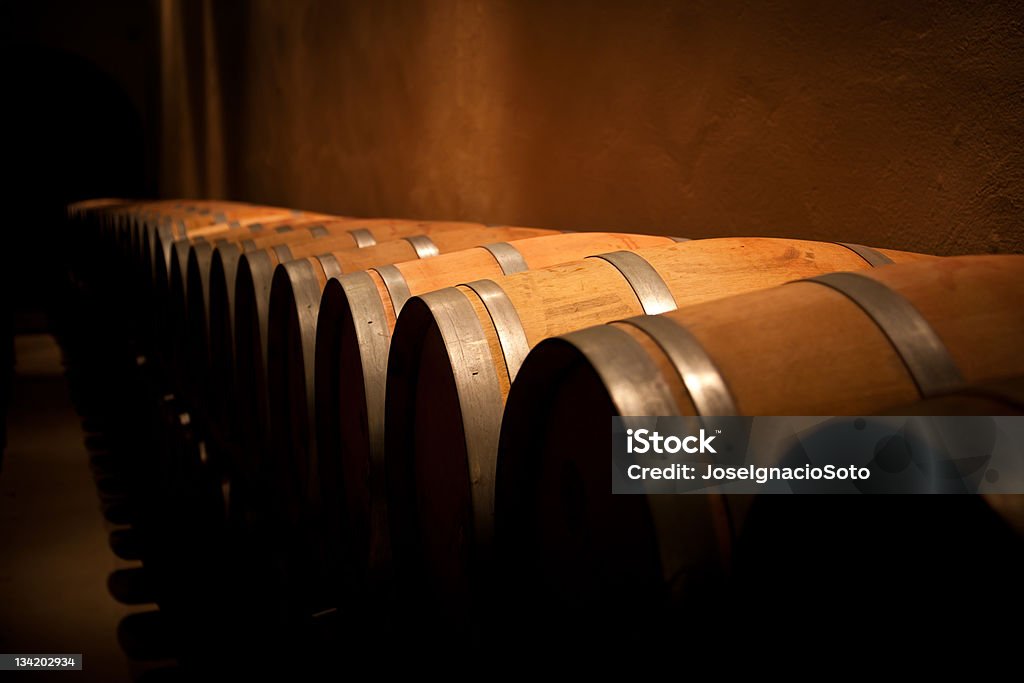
54,554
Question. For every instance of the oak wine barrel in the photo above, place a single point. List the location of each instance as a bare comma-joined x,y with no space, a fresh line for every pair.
151,232
350,232
120,226
353,333
263,225
172,301
838,344
248,395
259,482
222,288
169,295
192,318
217,261
455,352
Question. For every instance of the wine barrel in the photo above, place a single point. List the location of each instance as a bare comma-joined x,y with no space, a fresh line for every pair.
838,344
165,239
193,315
184,306
258,475
454,353
149,224
170,296
130,227
225,258
188,306
302,227
293,312
353,334
156,238
352,232
252,298
155,212
344,234
122,225
356,232
221,295
270,232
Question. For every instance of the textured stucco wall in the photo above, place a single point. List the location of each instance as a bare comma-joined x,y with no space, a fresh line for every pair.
893,124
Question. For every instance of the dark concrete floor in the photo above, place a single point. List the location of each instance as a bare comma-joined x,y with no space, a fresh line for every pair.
54,553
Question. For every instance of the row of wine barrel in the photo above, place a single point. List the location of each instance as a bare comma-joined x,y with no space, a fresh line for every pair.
422,409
